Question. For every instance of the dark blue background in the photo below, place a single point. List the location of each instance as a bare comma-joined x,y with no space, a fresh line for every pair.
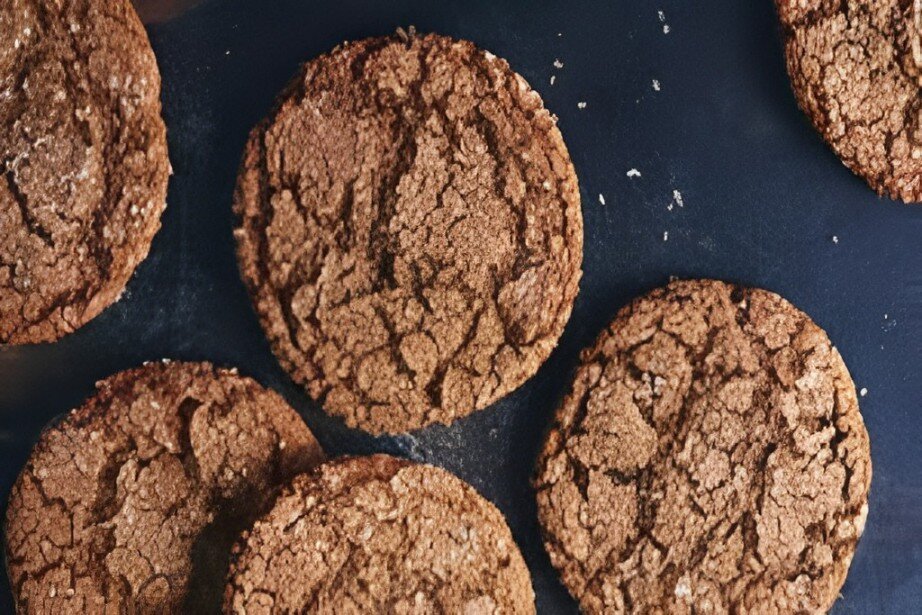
763,199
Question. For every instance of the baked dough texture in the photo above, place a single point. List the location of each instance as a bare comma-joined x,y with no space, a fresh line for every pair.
409,228
83,161
131,503
856,66
710,458
379,535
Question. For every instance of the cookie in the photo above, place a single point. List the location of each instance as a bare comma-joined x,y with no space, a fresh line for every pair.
379,534
710,458
856,69
409,228
132,502
83,161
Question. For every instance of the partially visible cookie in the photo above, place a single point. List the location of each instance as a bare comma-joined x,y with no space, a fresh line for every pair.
856,68
83,161
710,458
378,534
409,228
132,502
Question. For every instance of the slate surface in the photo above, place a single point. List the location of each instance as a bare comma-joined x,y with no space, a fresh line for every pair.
763,200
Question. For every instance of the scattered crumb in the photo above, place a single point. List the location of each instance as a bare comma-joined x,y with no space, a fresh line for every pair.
633,173
553,79
677,198
662,15
835,239
227,53
665,235
601,198
666,28
863,392
560,34
581,105
886,316
656,86
558,64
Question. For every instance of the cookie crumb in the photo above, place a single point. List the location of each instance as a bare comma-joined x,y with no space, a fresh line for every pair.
633,173
656,85
601,198
558,64
553,79
864,391
665,235
581,105
677,198
835,239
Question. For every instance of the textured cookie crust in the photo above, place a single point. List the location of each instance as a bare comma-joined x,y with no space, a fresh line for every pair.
374,535
710,458
410,230
855,73
83,161
133,501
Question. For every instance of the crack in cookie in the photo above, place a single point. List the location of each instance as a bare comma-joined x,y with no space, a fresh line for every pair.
409,229
133,501
855,69
710,457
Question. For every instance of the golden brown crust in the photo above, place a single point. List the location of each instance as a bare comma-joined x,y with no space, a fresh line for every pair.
710,458
83,161
855,66
410,231
132,502
378,534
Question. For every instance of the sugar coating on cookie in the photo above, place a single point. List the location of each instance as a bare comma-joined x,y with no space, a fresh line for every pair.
856,69
83,161
710,458
132,502
378,534
409,228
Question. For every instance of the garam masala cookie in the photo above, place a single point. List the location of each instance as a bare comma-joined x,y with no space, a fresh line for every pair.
856,69
83,161
409,229
710,458
133,501
379,534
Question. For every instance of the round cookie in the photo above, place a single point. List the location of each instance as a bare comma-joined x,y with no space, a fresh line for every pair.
83,161
710,458
132,502
409,228
856,69
375,534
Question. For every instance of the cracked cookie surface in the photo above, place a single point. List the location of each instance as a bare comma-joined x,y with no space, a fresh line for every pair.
379,534
856,69
409,228
710,458
83,161
132,502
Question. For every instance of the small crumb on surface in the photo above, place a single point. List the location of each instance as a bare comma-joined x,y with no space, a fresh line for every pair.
864,391
677,198
581,104
835,239
656,85
553,79
665,235
633,173
601,198
666,28
661,15
558,63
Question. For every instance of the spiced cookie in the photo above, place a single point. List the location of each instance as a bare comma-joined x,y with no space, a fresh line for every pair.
376,534
83,161
409,228
710,458
856,68
133,501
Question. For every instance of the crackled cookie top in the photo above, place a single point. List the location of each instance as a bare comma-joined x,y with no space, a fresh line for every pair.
710,458
378,534
856,68
83,161
410,230
132,502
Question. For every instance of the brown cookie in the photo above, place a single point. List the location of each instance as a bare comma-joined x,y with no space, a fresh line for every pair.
379,534
856,68
83,161
710,458
410,230
133,501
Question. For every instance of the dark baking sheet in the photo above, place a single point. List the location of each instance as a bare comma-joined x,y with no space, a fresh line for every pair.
763,200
